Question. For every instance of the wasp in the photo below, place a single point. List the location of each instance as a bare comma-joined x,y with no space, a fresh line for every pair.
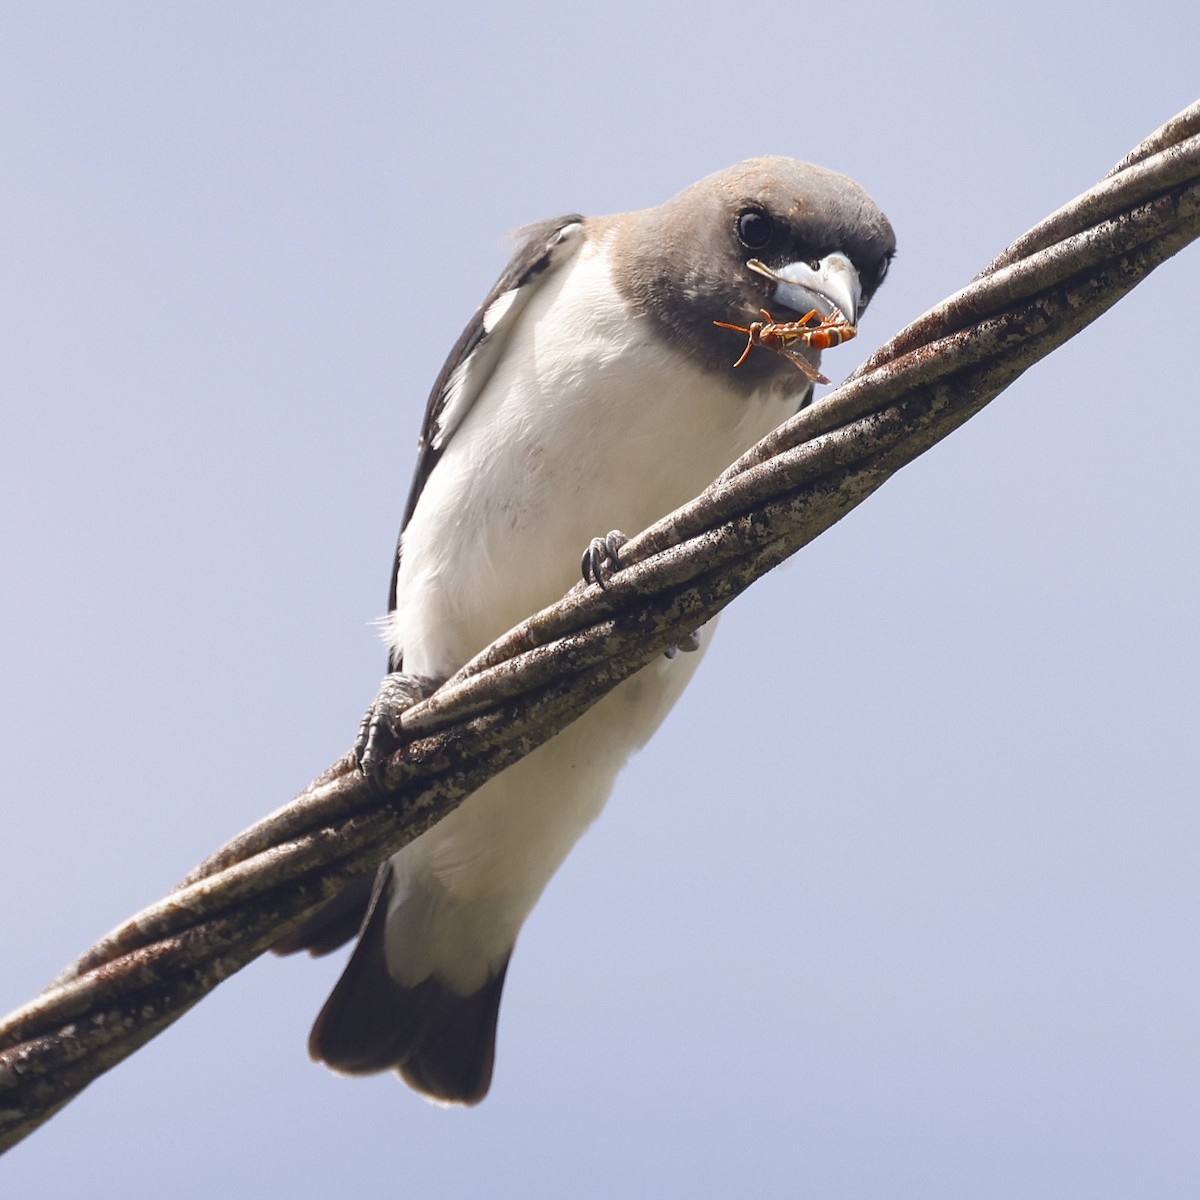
780,336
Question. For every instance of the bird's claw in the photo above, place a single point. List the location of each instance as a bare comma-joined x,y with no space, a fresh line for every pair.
381,733
689,645
602,557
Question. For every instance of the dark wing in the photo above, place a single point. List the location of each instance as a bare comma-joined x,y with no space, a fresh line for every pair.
337,922
475,354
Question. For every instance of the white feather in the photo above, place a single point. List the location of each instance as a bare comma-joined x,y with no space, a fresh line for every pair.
589,421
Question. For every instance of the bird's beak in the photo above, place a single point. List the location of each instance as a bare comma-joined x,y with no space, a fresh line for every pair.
831,283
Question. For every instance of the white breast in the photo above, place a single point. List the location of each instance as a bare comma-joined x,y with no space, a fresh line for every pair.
591,422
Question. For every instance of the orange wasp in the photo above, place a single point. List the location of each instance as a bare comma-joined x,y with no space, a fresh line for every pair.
780,336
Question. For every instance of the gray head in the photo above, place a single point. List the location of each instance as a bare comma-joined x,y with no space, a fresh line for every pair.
684,263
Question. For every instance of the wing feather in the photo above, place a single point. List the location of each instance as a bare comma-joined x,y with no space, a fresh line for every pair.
544,248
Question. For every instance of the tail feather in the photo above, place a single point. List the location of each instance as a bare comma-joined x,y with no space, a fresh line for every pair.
440,1043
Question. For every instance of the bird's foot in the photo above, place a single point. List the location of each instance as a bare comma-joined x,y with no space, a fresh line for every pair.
602,558
688,645
381,733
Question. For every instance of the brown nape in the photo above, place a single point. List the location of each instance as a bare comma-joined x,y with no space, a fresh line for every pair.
440,1043
334,924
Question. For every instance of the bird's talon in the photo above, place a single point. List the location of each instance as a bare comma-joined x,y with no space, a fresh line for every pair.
380,734
602,557
687,645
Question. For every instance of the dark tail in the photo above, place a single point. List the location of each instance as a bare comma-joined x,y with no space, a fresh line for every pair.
441,1043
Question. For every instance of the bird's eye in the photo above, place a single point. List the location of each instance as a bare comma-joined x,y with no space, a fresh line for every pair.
754,228
881,274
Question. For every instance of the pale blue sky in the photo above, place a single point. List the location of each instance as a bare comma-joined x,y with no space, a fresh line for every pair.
904,899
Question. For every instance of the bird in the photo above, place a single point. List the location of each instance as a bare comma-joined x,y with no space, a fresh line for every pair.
593,389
